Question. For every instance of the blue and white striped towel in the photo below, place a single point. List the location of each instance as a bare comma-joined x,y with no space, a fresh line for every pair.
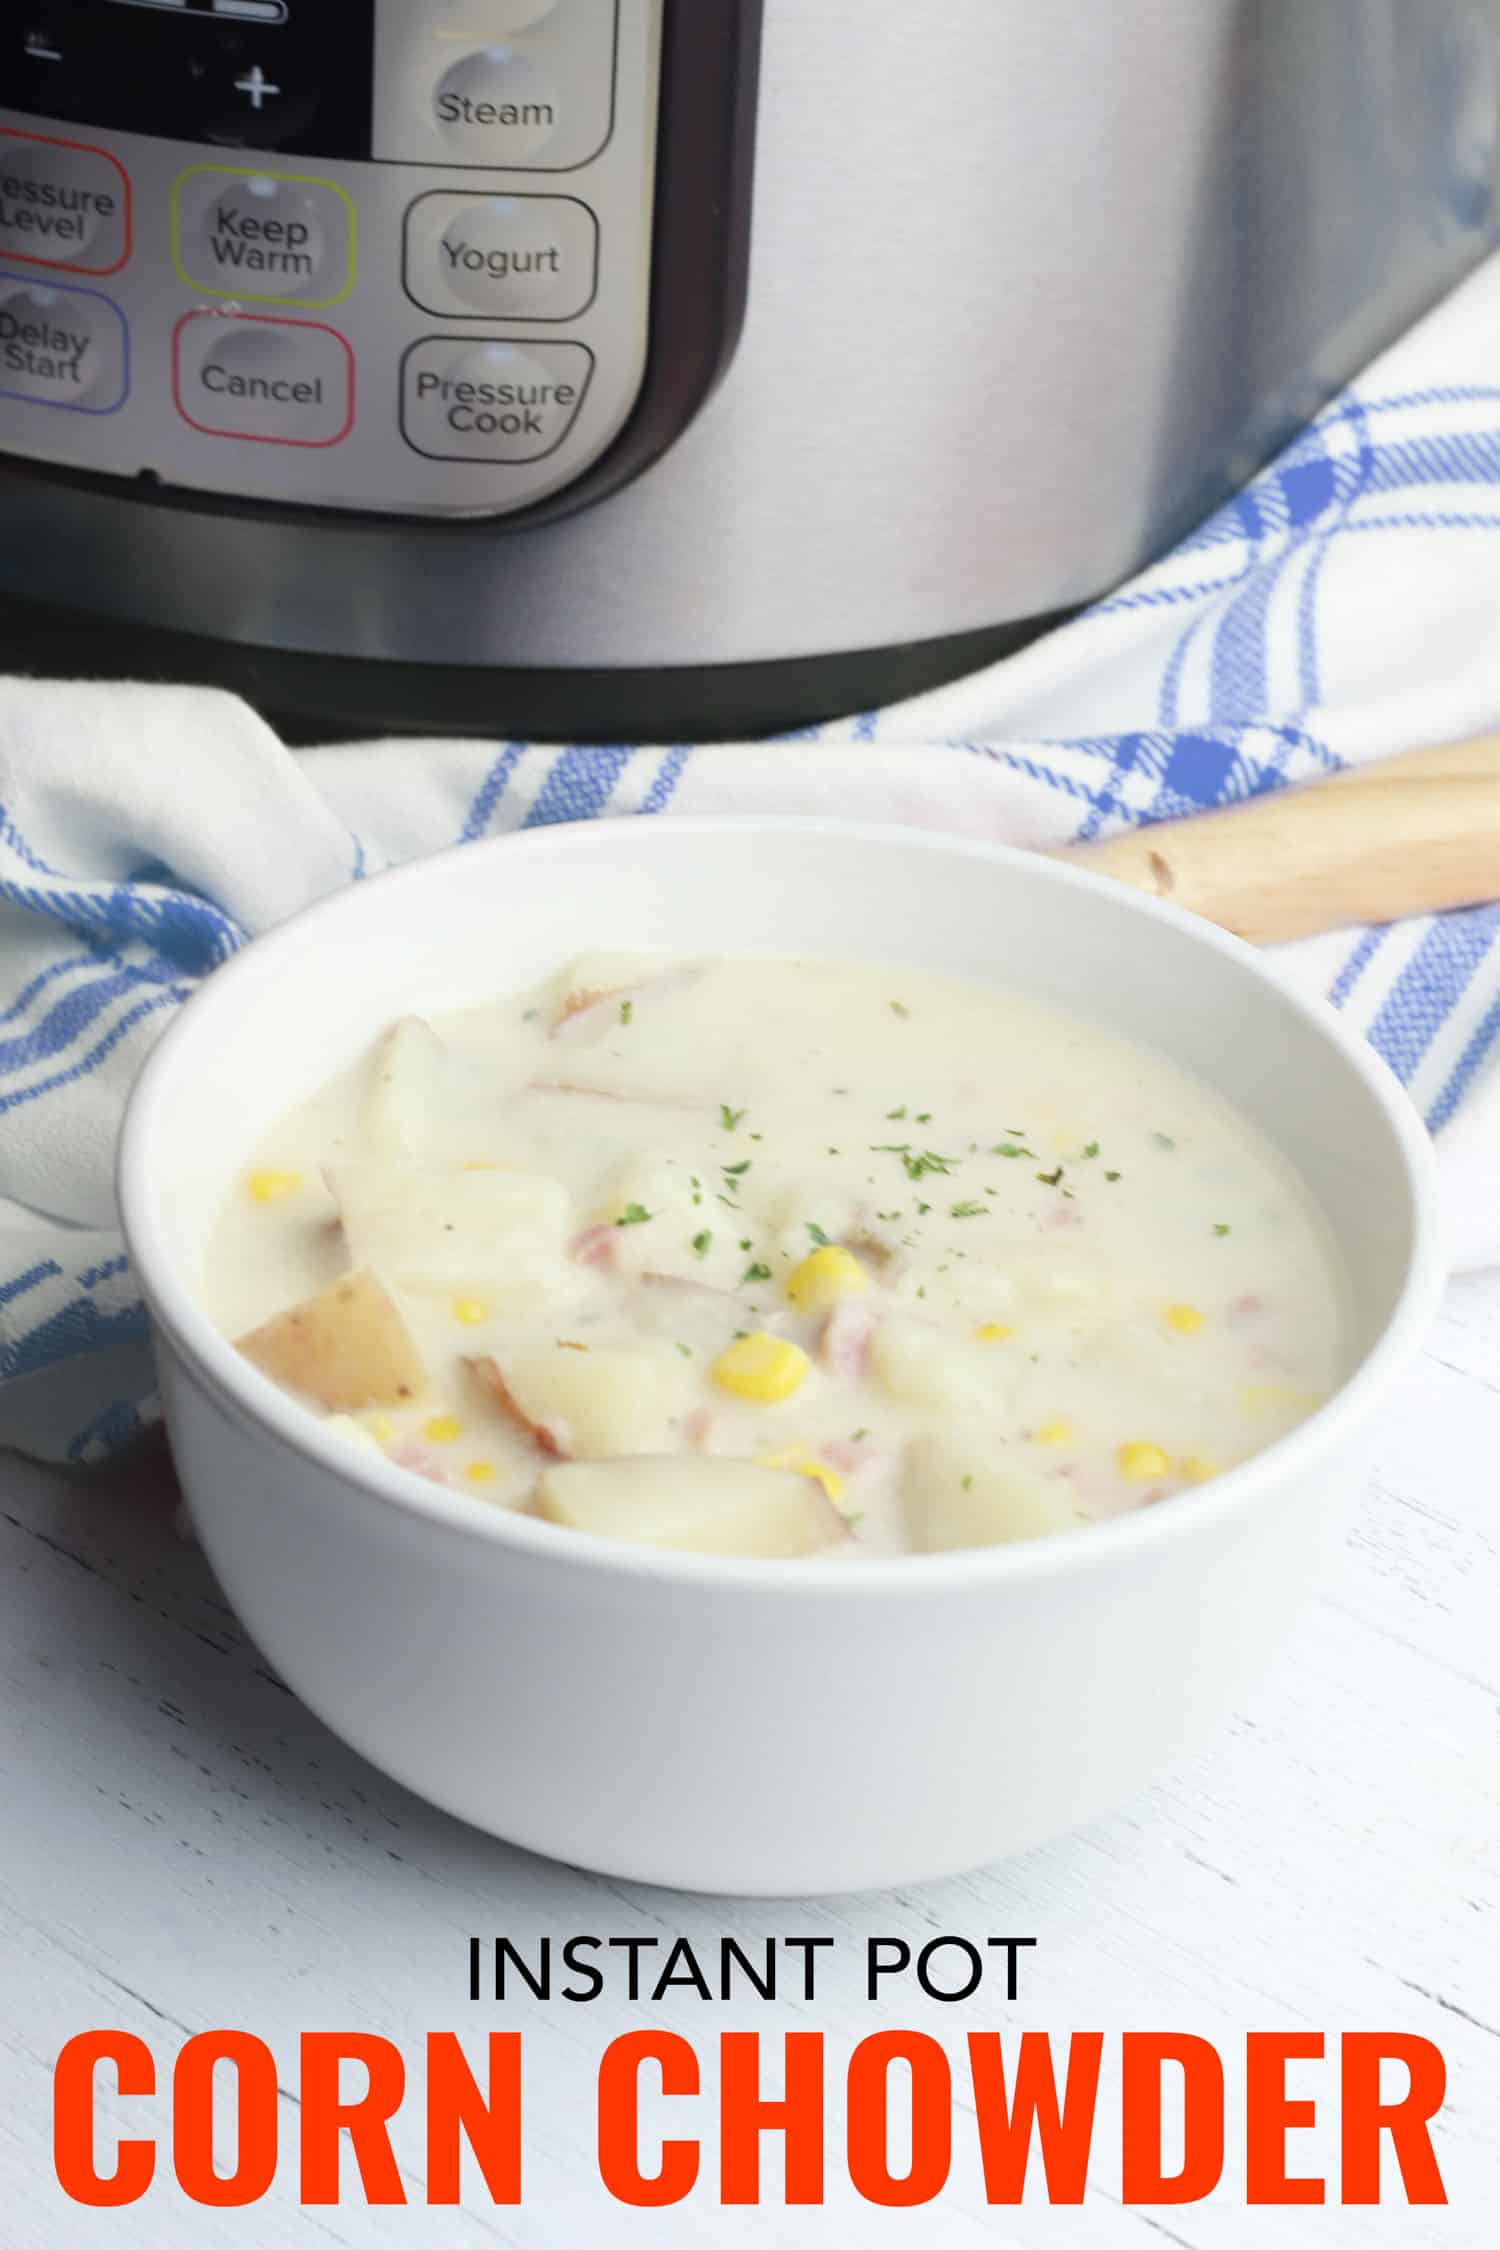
1340,610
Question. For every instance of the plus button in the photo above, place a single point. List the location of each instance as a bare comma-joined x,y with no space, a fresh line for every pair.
255,86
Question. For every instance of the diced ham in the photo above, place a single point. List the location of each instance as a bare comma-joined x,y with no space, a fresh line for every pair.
414,1455
844,1346
584,1013
1246,1310
1063,1218
546,1438
701,1428
852,1455
594,1247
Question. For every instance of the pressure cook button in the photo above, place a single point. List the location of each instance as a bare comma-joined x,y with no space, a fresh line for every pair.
502,257
497,106
282,382
62,347
279,237
62,205
509,403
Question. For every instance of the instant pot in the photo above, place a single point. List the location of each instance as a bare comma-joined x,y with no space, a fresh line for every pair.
639,368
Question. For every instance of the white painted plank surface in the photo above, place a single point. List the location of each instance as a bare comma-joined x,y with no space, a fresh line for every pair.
185,1847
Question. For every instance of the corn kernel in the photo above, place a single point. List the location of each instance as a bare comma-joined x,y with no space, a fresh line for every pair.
1141,1463
1059,1432
994,1332
472,1311
270,1187
1197,1469
807,1465
443,1429
481,1472
1185,1320
761,1369
382,1429
822,1279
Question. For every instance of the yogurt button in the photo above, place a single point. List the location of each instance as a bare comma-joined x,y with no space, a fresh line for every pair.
497,106
491,402
511,257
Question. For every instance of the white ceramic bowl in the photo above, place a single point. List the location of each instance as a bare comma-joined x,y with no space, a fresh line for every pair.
754,1727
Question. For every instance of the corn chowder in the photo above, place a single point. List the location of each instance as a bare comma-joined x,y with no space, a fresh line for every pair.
777,1258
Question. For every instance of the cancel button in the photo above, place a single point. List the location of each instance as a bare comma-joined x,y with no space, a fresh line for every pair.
286,382
462,401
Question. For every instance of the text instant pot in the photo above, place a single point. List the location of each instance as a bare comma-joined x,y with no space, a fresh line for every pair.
740,2117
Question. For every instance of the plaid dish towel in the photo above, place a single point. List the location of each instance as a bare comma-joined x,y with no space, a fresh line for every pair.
1341,609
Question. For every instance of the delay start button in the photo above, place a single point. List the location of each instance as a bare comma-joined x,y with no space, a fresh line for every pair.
61,346
277,382
512,403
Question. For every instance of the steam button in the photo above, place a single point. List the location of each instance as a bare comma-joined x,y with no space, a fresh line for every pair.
497,106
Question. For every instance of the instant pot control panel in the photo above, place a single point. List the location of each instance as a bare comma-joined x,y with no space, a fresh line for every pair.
389,255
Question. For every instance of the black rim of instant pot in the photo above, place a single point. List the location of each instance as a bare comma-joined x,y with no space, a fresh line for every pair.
316,698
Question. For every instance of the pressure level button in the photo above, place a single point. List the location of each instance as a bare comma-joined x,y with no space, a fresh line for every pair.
501,402
498,106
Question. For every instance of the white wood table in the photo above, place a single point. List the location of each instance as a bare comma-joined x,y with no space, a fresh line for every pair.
185,1848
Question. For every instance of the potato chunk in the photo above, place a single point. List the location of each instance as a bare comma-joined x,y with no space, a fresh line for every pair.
957,1495
438,1230
703,1507
404,1097
597,1404
346,1348
923,1367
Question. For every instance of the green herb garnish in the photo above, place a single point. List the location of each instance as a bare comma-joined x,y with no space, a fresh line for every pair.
1092,1150
1051,1179
899,1008
730,1118
819,1237
703,1243
627,1010
969,1211
893,1116
633,1215
1164,1140
737,1171
1014,1149
1220,1229
1112,1176
755,1273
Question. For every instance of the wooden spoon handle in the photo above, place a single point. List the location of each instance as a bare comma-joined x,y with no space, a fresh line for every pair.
1419,834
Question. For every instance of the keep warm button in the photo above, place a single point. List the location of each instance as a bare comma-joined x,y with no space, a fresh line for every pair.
278,382
462,401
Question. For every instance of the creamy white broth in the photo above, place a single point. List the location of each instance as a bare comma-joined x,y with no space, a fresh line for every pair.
985,1271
